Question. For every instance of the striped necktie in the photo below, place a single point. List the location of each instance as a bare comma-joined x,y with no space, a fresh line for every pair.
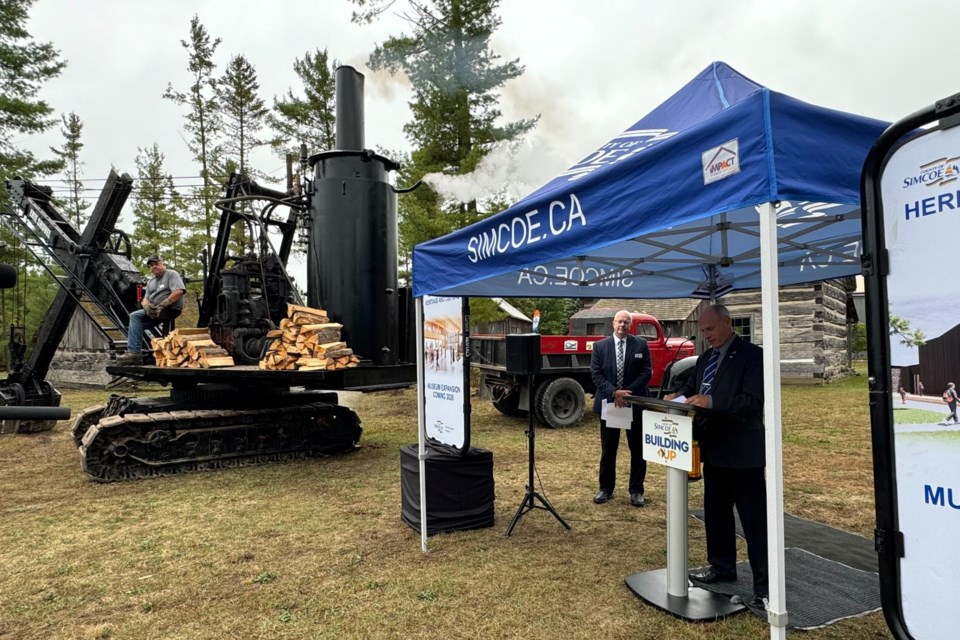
708,373
619,364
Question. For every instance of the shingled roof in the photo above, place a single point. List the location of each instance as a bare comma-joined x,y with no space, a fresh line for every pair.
665,310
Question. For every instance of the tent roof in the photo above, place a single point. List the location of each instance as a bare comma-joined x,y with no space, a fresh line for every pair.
668,207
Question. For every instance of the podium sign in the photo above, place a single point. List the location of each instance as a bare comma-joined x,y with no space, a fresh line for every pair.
668,440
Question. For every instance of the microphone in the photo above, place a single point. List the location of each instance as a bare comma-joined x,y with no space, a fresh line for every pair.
8,277
680,348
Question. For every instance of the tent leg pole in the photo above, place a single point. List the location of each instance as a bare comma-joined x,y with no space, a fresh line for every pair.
770,314
421,427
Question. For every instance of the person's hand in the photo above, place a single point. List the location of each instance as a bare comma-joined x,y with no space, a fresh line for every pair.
153,311
619,395
699,401
670,396
145,303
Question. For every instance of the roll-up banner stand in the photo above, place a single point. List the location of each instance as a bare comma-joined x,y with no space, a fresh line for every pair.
910,189
446,372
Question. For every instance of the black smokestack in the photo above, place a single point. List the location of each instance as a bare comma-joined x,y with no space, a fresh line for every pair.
352,259
349,109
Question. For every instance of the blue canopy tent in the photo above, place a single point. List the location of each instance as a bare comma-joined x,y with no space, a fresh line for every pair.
649,212
726,185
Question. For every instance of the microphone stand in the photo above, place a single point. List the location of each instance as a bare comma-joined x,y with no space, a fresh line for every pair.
529,500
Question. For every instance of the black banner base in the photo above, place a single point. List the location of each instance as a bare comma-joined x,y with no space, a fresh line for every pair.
460,489
700,605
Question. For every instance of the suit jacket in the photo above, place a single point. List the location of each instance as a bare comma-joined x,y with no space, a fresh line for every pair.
637,370
737,389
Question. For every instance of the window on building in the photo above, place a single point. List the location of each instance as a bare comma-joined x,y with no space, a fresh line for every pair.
743,326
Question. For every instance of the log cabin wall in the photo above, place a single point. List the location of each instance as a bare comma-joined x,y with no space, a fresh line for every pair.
813,325
813,329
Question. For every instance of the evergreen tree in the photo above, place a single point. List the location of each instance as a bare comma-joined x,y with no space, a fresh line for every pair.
73,204
204,126
456,80
311,119
554,312
244,112
24,66
157,213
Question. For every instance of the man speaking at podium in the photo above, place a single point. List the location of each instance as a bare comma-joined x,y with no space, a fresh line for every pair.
729,379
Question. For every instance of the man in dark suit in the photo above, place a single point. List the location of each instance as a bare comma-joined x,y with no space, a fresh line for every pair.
729,378
620,367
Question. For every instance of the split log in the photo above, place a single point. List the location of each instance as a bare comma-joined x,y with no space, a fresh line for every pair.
306,340
211,362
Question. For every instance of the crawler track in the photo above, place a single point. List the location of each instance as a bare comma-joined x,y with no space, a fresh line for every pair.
158,443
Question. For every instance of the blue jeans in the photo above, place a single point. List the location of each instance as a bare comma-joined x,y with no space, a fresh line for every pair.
140,322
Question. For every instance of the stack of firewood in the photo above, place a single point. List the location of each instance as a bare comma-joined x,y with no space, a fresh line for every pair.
189,348
307,341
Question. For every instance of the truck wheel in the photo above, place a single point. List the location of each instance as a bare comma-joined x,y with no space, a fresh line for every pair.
562,403
537,403
509,405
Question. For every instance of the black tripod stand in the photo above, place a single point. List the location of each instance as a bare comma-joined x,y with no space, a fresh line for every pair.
529,502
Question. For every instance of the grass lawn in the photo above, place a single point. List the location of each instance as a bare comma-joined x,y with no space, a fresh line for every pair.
317,549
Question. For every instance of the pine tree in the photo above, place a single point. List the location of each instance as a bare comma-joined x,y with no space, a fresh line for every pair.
157,213
24,66
456,80
312,119
244,112
203,124
74,204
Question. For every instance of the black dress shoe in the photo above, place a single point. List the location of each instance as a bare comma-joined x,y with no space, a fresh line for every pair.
710,576
759,602
636,499
601,497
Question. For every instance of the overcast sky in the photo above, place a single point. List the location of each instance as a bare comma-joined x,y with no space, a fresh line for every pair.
592,68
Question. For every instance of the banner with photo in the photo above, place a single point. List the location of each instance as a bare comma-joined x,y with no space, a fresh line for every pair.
920,195
446,371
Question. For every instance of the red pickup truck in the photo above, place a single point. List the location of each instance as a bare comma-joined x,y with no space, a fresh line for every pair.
564,378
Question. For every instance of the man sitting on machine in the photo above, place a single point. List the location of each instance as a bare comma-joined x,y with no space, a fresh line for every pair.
162,302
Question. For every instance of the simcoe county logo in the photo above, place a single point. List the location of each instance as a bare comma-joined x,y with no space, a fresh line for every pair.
935,173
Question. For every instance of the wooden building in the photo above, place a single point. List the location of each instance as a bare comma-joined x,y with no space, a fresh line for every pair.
814,342
514,321
939,364
80,361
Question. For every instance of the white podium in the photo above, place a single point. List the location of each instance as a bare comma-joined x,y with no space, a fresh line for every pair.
669,589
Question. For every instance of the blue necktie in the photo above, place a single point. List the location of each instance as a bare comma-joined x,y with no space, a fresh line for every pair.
708,373
619,364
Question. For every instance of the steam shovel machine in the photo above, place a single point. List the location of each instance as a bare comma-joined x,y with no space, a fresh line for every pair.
238,415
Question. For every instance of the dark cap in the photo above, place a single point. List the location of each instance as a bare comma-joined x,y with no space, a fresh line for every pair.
153,258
